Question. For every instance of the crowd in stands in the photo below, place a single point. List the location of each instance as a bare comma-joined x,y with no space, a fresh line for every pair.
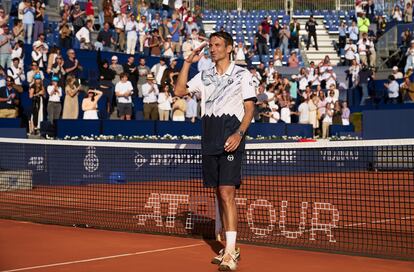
171,31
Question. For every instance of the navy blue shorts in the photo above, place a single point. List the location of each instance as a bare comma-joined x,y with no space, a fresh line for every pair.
222,169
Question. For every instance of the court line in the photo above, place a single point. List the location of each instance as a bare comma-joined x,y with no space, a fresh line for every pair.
103,258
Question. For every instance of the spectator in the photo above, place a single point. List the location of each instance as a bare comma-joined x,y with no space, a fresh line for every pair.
105,39
410,57
187,47
84,36
143,71
313,112
143,28
89,12
191,106
275,37
119,24
78,17
57,69
18,31
65,35
337,113
190,25
150,92
346,113
164,103
33,72
293,60
350,51
18,52
327,120
5,47
205,62
131,29
36,94
408,13
38,20
45,46
155,44
294,33
311,29
303,110
284,40
72,65
397,74
168,47
71,103
260,43
4,18
363,78
170,74
123,92
117,68
16,72
54,107
37,56
278,57
179,108
397,14
342,29
392,90
9,100
28,21
90,104
353,32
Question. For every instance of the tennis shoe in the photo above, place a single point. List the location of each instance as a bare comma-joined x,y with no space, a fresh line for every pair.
219,258
229,262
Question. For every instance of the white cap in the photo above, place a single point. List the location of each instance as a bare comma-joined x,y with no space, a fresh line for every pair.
395,68
114,58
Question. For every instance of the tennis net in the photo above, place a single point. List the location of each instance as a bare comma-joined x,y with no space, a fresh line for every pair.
352,197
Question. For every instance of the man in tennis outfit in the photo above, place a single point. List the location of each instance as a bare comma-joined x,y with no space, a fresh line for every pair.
227,102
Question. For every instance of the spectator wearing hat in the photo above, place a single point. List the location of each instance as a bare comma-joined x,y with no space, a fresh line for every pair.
54,107
174,30
9,100
33,72
397,14
191,108
45,46
168,49
311,29
117,68
158,71
397,74
329,77
123,93
190,25
5,47
78,17
90,104
150,93
205,62
392,90
36,94
57,69
18,31
71,103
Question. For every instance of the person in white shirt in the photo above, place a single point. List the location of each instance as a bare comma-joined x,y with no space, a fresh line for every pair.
191,112
327,120
150,93
119,25
37,56
350,51
397,74
54,107
45,46
187,47
143,28
84,35
303,111
330,77
16,72
274,115
123,92
158,71
205,62
362,51
392,89
131,28
240,54
164,103
331,96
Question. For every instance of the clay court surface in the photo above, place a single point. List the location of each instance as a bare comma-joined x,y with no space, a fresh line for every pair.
36,247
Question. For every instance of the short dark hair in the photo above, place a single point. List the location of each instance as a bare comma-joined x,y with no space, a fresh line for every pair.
228,39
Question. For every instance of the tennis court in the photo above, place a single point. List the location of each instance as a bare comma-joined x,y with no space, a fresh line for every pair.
355,198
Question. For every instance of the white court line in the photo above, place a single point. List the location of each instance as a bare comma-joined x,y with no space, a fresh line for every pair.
103,258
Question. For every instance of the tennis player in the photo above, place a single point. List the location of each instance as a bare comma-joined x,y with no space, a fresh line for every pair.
227,102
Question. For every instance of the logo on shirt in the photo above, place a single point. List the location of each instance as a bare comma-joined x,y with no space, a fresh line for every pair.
230,158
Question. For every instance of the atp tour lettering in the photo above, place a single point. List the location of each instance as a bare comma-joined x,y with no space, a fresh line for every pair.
323,224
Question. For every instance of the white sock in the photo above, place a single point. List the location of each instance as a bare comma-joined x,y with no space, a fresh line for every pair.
219,224
231,237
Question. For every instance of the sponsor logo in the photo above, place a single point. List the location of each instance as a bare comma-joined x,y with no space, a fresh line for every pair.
230,158
91,160
38,163
139,160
